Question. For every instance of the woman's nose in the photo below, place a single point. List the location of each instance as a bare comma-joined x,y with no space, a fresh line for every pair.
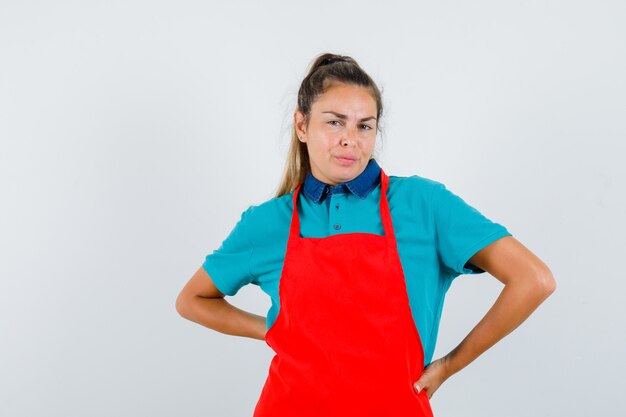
348,137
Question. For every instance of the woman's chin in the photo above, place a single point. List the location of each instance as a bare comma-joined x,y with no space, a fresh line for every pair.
345,174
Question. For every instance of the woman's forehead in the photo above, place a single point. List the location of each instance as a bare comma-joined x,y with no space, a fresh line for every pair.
345,98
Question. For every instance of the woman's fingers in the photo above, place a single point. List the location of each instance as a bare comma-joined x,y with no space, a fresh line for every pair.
432,377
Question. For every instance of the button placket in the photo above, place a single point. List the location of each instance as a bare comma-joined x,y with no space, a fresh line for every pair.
335,216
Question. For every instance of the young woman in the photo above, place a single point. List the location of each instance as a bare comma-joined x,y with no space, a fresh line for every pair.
357,264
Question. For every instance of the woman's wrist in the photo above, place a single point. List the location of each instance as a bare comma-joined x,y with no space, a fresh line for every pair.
451,364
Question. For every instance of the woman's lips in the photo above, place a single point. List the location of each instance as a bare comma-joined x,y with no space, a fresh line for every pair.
345,161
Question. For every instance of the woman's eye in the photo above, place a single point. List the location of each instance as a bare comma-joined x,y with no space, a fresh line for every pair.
365,127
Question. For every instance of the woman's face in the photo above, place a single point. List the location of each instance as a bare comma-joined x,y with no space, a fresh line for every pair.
340,134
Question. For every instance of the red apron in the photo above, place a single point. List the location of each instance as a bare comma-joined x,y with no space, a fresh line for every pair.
346,344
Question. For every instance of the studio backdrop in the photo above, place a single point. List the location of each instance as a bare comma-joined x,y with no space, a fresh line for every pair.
133,134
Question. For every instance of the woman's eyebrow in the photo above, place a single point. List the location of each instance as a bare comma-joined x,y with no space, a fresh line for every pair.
343,116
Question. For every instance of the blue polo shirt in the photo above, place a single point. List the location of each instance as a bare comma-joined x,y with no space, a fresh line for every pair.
436,234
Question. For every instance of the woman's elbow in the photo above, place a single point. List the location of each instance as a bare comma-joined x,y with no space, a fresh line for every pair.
546,283
182,305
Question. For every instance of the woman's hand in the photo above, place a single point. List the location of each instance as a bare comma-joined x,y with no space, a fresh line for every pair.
433,376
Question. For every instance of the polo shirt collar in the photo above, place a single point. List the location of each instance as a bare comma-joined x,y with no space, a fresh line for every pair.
360,186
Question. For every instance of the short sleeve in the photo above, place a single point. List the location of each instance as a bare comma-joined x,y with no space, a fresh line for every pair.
229,265
461,231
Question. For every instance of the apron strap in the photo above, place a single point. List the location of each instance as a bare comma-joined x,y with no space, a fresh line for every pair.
385,212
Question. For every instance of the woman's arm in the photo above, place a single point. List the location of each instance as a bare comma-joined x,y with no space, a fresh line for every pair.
200,301
527,283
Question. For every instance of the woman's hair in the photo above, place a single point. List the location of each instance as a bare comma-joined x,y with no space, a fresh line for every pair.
324,71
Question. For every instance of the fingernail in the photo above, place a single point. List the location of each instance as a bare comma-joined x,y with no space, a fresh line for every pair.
417,387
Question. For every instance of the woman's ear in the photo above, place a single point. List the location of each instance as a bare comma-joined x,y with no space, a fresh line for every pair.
299,123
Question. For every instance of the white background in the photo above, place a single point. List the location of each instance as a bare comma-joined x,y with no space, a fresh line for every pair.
134,133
